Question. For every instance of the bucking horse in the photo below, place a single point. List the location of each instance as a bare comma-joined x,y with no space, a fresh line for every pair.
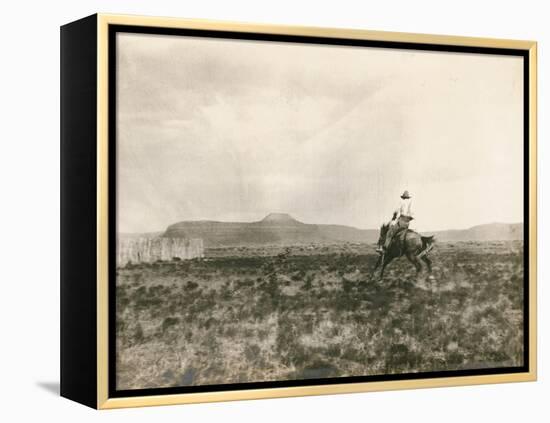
406,243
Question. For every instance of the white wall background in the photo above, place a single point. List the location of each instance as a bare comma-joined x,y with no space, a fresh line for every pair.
29,177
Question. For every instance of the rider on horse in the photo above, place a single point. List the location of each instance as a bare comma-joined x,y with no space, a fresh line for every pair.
402,216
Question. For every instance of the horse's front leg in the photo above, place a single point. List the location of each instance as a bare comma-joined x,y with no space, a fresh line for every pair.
376,266
380,256
385,261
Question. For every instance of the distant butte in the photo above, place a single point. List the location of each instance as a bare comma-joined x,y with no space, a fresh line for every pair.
279,218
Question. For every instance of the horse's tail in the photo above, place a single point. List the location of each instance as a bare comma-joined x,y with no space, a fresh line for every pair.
427,240
427,243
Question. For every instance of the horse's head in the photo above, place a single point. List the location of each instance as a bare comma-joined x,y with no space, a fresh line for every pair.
383,231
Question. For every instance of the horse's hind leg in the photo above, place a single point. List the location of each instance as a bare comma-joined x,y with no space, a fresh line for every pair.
428,262
416,262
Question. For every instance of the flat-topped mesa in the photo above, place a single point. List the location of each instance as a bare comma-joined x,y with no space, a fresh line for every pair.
273,229
279,218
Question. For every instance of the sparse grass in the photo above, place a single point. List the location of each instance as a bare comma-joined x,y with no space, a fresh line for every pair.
246,315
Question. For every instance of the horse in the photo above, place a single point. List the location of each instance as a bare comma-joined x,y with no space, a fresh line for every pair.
406,243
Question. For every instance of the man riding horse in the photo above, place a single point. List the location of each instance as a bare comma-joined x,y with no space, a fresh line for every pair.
401,219
411,245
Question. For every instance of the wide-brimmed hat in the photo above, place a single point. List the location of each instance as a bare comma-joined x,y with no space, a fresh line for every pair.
406,194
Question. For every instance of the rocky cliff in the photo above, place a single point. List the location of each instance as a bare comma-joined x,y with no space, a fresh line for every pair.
148,250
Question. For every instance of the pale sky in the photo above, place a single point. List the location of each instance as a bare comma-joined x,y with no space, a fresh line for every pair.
233,130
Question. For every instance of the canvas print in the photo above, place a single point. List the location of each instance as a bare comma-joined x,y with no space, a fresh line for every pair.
291,211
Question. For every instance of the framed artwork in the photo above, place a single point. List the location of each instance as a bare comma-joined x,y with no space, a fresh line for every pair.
257,211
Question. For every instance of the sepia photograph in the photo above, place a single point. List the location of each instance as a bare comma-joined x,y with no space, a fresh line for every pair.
299,211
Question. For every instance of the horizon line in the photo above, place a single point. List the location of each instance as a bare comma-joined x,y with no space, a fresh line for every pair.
334,224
